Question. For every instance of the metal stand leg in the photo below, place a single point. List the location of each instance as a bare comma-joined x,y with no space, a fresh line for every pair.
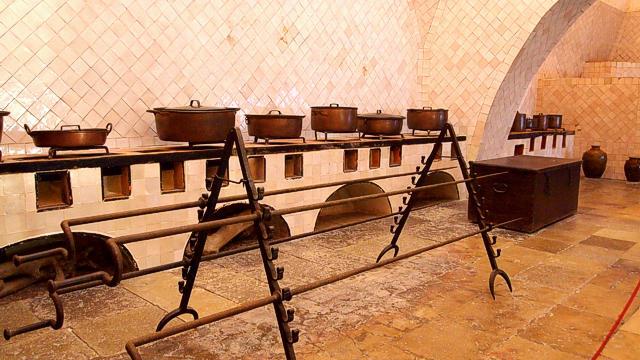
195,247
470,183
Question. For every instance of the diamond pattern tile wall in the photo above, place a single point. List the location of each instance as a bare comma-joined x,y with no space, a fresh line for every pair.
572,33
602,110
628,43
95,62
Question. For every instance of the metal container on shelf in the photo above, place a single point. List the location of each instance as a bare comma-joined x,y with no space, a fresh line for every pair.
194,123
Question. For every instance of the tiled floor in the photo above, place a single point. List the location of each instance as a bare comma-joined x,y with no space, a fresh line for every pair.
570,281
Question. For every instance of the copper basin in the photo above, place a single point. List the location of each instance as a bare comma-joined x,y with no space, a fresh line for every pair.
274,125
334,119
194,123
427,119
69,137
380,124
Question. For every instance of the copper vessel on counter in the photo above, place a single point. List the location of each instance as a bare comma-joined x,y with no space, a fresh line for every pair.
334,119
519,122
380,124
540,122
194,124
2,115
70,137
426,119
555,121
274,125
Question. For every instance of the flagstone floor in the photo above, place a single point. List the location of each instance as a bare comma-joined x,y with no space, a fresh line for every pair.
570,282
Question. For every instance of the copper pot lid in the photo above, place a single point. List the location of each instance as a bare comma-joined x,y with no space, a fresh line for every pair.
334,106
194,106
275,114
427,108
380,115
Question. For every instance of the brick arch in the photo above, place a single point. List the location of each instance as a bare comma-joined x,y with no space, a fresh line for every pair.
490,136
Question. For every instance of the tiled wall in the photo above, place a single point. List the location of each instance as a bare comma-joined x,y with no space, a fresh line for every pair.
597,91
603,110
107,61
553,47
94,62
627,46
468,51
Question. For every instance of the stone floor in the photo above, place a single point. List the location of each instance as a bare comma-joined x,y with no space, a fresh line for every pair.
570,281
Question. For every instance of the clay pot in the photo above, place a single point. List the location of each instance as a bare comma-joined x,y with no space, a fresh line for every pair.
594,162
632,169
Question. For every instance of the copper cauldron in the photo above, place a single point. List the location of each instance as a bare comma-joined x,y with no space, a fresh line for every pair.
380,124
427,119
69,137
274,125
334,119
519,122
194,124
555,121
540,122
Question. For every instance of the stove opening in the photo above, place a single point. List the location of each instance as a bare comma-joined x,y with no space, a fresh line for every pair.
342,214
172,177
53,190
91,252
116,183
437,194
243,234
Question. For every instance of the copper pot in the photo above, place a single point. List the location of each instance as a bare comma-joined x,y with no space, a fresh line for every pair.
2,115
555,122
540,122
519,122
334,118
274,125
427,119
194,124
69,137
380,124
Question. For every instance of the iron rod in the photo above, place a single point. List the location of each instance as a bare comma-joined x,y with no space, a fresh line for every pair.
210,225
316,284
226,199
170,331
177,264
146,339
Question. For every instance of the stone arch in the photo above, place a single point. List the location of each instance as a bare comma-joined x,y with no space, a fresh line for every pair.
489,136
354,211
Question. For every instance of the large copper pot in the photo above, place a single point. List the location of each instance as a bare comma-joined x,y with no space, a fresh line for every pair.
555,121
427,119
194,124
519,122
69,137
540,122
274,125
2,115
379,123
334,119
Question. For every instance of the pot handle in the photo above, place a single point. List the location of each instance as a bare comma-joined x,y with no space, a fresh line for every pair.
27,129
69,126
196,102
271,111
427,108
246,120
109,127
379,111
334,105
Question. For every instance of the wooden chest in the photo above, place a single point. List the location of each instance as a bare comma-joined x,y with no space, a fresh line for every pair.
541,189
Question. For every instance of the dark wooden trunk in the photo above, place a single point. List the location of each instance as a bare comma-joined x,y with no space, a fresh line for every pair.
543,190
